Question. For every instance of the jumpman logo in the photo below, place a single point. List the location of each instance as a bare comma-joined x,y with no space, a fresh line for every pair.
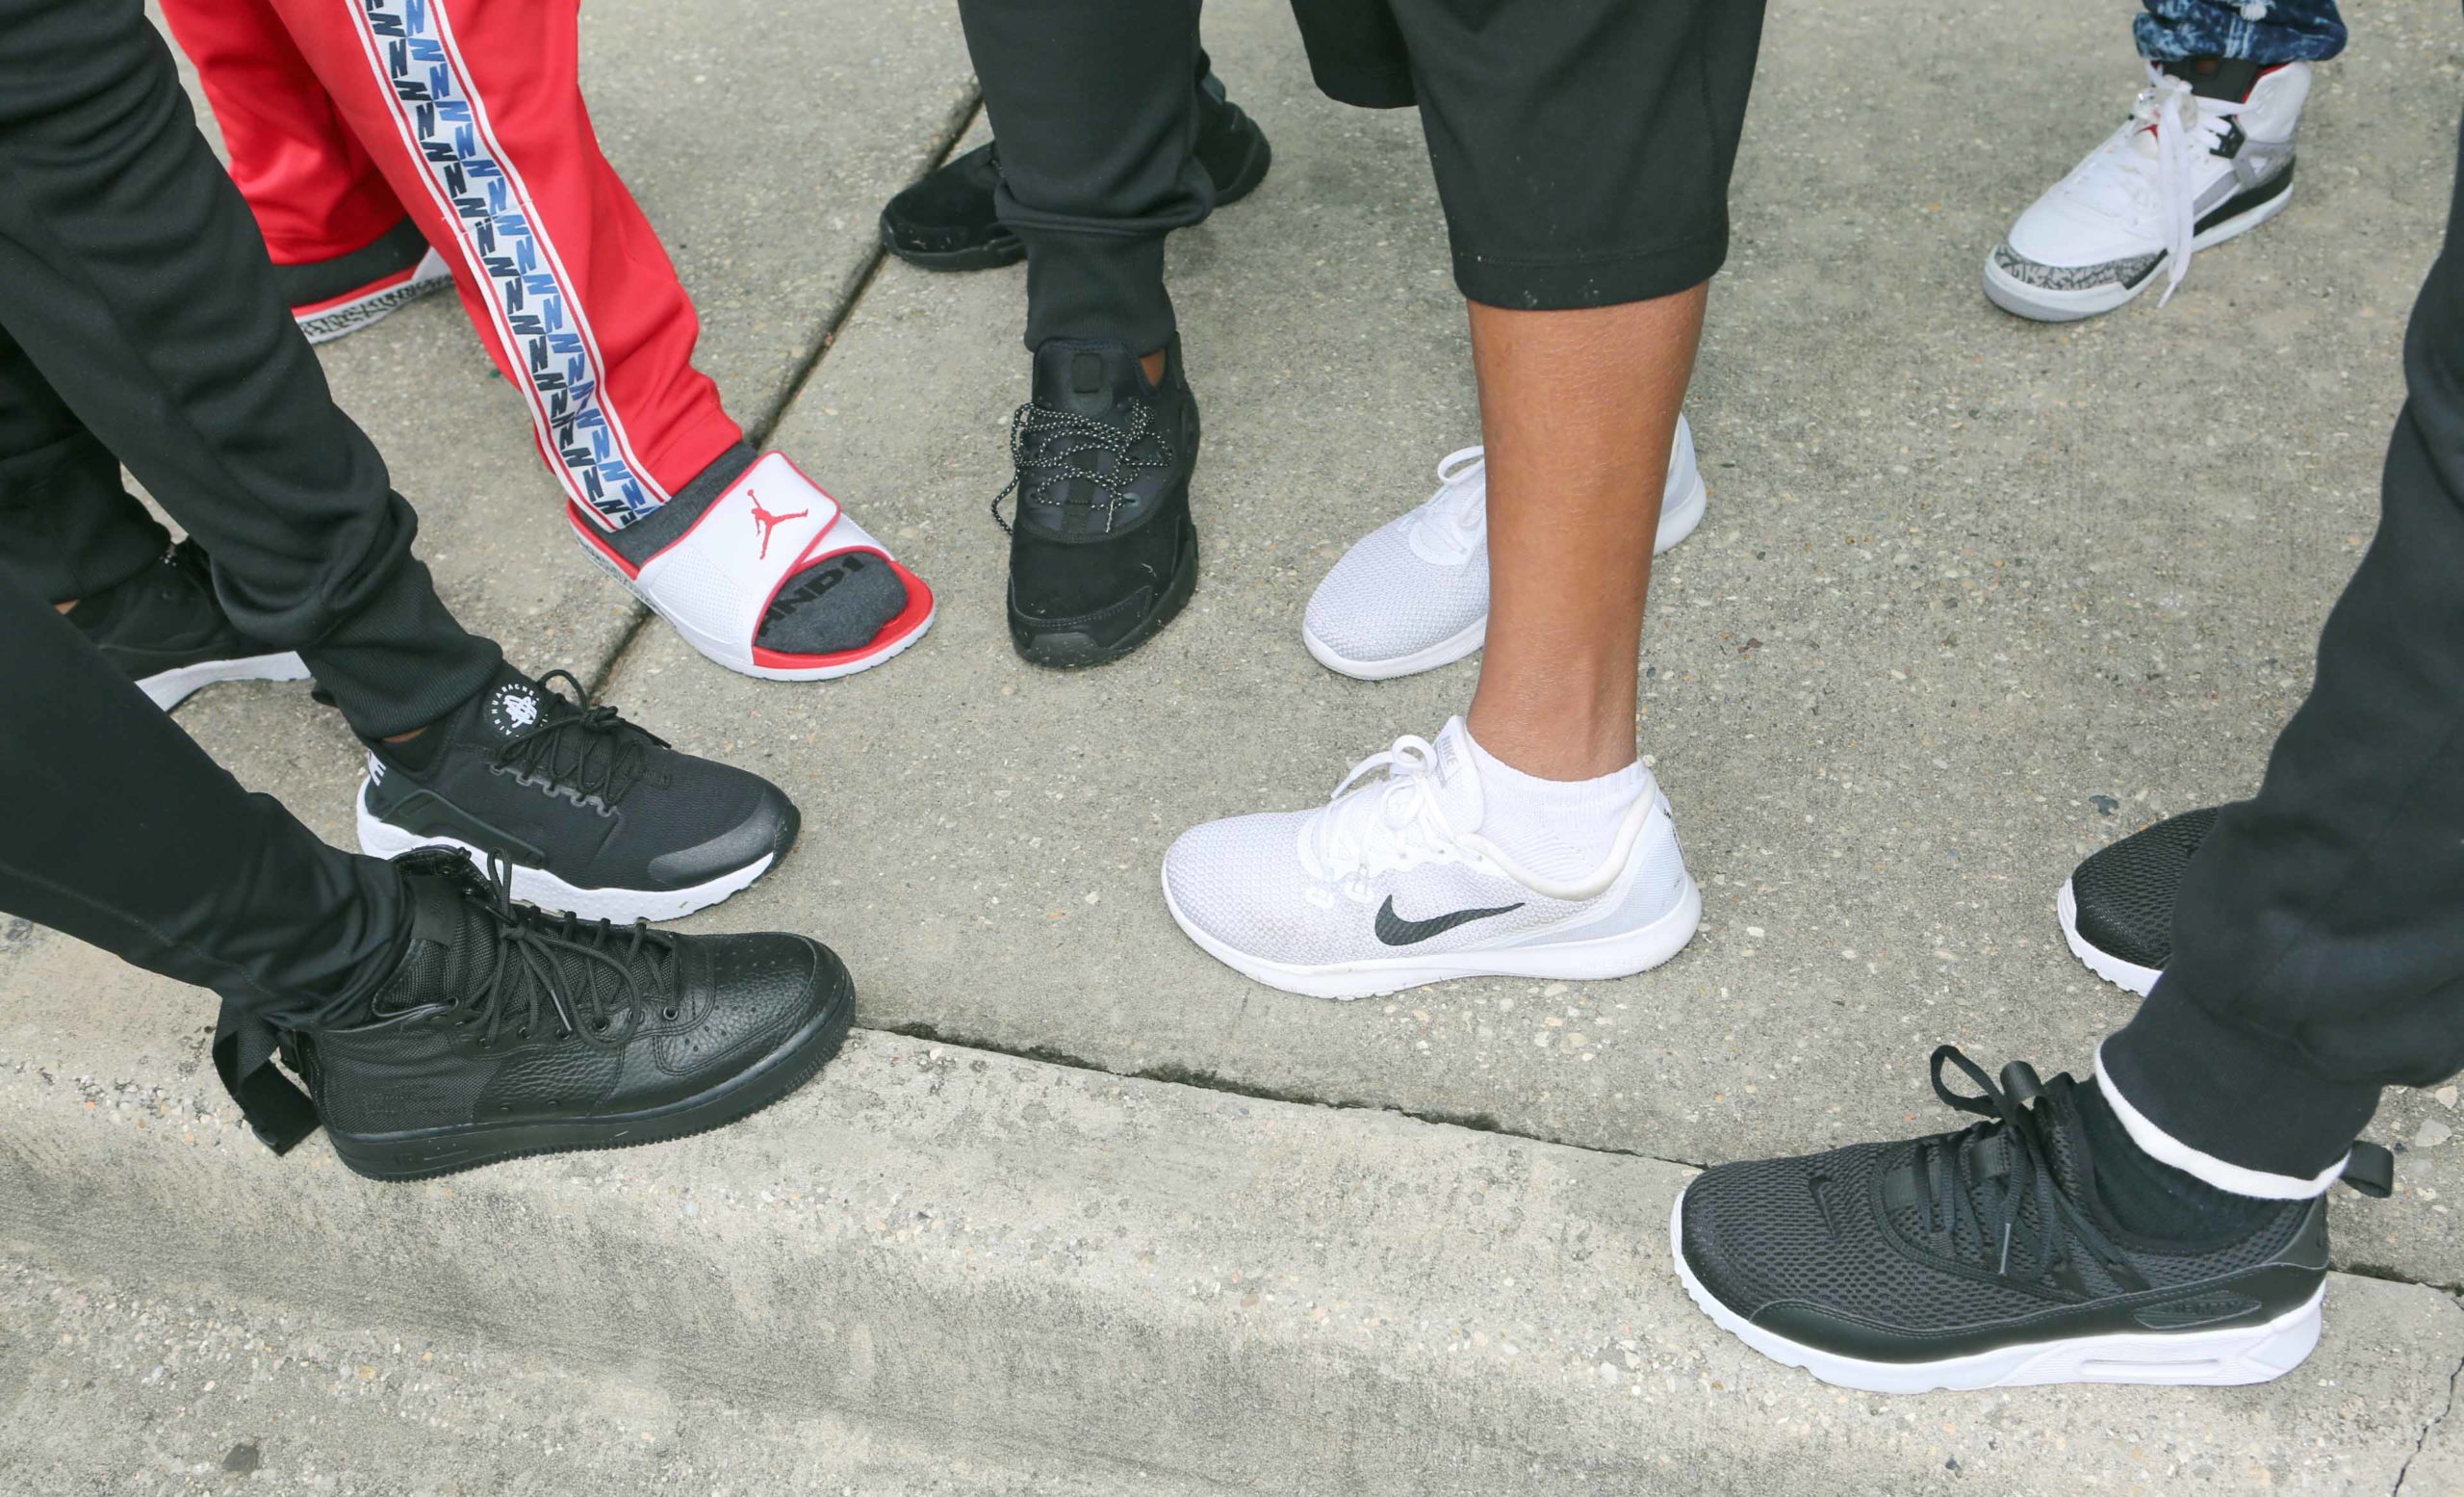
769,521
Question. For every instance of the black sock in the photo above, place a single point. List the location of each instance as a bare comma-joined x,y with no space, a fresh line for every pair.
420,753
2149,1197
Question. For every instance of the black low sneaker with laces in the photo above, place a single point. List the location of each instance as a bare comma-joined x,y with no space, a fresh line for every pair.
1103,552
594,814
166,629
946,221
507,1031
1990,1258
2117,908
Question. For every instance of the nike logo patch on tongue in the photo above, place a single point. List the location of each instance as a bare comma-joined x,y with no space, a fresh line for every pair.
1396,931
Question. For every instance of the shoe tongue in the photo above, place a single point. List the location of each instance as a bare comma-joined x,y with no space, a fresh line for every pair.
1089,378
513,704
451,946
2065,1140
1458,778
2215,77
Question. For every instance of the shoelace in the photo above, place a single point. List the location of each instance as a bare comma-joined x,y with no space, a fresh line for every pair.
556,965
2005,1158
2186,127
592,751
1404,823
1046,445
1451,526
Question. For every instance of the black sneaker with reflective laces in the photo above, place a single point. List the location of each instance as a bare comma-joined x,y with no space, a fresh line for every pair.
1102,551
594,814
1989,1259
507,1031
2117,908
946,220
166,629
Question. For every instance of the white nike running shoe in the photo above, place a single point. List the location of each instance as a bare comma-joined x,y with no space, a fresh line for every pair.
1391,886
2206,154
1413,594
772,579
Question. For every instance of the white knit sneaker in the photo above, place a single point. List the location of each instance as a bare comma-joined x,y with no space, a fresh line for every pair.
1392,884
1413,594
2206,154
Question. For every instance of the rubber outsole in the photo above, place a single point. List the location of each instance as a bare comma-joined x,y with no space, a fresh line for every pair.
2127,975
1069,650
428,1154
1675,523
1622,955
2040,306
379,837
2231,1358
168,689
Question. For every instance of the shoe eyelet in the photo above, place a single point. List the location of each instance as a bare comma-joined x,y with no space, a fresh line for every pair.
598,1027
671,1013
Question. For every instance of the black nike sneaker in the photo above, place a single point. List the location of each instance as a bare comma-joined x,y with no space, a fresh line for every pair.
507,1031
1103,552
1990,1257
166,629
946,221
594,815
2117,908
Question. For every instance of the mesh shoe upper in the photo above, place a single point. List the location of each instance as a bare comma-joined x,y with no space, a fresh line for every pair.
2125,893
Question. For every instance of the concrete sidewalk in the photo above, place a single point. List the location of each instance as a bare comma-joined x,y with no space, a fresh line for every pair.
1974,597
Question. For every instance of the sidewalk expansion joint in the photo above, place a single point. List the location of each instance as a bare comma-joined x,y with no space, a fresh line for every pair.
2427,1430
1213,1081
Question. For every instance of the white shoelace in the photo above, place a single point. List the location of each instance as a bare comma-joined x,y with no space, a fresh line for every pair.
1403,823
2186,127
1452,525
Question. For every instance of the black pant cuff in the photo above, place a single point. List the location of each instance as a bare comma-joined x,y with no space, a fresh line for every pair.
1107,288
401,660
1582,282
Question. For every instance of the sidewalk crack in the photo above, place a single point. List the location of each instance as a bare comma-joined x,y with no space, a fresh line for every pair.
2406,1470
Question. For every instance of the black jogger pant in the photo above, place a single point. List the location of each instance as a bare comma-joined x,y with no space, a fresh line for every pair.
121,832
2319,938
139,322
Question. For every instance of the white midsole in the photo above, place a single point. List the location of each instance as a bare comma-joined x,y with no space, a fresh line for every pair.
2041,304
381,838
1621,955
2140,980
1676,521
2240,1355
168,689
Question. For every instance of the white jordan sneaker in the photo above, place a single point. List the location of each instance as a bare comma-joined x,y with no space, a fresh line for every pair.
2206,154
1413,594
771,578
1391,886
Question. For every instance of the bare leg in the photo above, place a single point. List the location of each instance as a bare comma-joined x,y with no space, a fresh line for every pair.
1579,410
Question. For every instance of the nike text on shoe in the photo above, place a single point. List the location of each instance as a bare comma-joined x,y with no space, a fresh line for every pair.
2206,154
593,813
2117,908
770,577
1102,552
948,221
507,1031
1392,884
1413,594
1985,1259
332,297
167,631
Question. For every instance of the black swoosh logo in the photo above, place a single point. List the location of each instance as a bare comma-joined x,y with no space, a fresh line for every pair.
1396,931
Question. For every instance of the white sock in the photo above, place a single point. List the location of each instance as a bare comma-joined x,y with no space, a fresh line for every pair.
1560,829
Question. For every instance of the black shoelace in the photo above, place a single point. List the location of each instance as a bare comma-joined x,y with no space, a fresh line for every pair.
593,978
2004,1159
592,751
1049,447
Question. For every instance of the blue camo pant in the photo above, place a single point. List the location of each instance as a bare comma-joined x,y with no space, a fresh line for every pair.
2251,31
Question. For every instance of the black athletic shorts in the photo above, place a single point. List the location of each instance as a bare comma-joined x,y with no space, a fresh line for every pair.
1582,148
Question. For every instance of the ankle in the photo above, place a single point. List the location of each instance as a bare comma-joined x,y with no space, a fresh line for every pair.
2149,1197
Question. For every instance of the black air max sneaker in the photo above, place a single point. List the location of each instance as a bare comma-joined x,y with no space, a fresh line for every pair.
946,221
2117,908
1103,552
507,1031
166,629
594,815
1987,1258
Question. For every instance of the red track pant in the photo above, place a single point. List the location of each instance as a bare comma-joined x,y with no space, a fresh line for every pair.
342,115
